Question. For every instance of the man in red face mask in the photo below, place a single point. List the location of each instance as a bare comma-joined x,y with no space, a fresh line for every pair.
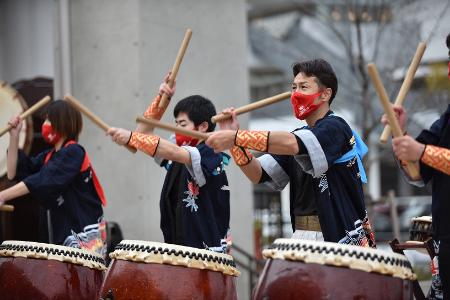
324,157
431,152
195,198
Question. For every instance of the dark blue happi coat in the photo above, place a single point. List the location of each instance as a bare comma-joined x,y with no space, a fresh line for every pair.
59,186
338,192
195,201
438,135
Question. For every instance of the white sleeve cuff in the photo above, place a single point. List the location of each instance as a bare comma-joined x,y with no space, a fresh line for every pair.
315,163
279,177
418,183
195,168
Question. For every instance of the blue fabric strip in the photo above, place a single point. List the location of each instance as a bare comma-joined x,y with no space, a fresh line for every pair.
359,150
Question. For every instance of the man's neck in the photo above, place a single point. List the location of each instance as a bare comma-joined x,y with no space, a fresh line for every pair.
317,115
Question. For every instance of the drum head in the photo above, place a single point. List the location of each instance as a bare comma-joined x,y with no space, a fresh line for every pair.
170,254
12,104
340,255
33,250
426,219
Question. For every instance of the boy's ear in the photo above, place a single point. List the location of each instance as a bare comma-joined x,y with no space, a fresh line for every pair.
327,94
203,127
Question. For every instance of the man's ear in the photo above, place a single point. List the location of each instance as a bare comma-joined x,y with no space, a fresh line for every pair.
326,94
203,127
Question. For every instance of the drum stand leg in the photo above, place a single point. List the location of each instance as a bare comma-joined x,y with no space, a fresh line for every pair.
398,248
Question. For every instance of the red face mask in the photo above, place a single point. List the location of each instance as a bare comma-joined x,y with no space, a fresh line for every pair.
49,135
303,104
183,140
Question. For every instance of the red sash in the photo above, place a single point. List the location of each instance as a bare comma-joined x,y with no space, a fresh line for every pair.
84,166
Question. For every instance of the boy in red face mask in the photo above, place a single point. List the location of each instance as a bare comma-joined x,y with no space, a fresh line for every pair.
431,152
195,198
325,156
61,179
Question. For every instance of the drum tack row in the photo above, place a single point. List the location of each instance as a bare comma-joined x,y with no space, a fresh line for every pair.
295,269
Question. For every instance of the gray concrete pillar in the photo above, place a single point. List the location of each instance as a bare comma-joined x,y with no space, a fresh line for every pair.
120,52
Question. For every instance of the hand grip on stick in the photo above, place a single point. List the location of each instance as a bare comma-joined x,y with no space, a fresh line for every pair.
382,94
28,113
252,106
5,207
176,66
93,117
406,85
172,128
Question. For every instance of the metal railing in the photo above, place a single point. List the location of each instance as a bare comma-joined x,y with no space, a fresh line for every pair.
249,264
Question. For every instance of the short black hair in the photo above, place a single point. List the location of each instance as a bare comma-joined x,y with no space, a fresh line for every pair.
198,108
448,41
65,119
320,69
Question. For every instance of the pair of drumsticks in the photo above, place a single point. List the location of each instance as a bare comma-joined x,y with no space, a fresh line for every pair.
384,99
412,168
165,102
373,73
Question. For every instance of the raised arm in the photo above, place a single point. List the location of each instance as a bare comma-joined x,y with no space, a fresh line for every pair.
400,114
229,136
406,148
250,166
275,142
150,144
246,162
154,111
13,147
437,158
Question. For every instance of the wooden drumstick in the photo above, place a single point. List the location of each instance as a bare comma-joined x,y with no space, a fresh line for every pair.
382,94
93,117
252,106
172,128
6,207
406,85
164,102
28,112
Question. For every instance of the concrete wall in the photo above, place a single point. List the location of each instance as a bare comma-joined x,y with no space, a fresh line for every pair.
2,37
120,52
26,39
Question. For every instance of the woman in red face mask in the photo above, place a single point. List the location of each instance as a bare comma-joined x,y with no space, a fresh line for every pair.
49,134
61,179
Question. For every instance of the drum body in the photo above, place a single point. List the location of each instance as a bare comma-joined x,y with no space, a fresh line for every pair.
299,269
29,220
42,271
421,229
148,270
12,104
